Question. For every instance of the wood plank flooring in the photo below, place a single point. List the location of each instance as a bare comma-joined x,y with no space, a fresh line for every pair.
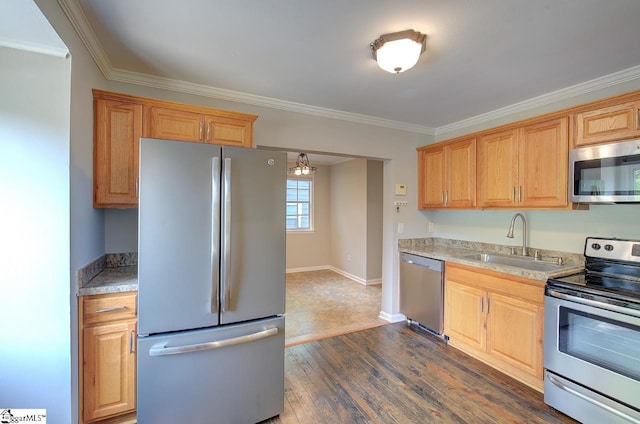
399,374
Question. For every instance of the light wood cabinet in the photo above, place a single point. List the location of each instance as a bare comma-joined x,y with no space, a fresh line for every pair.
604,124
107,349
175,124
119,122
447,175
464,314
117,131
498,319
524,167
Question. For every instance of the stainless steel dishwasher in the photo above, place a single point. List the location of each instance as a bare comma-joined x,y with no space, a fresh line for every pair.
422,291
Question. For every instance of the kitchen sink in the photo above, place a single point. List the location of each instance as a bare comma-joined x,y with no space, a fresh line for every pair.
514,261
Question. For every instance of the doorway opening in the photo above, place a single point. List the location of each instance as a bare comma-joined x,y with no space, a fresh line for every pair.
334,264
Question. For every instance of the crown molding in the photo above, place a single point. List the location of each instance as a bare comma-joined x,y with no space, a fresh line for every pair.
85,31
34,47
576,90
79,21
252,99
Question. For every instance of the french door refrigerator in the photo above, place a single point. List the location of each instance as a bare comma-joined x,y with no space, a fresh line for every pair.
211,291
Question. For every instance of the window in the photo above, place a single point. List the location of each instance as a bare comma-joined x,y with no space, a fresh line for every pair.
299,195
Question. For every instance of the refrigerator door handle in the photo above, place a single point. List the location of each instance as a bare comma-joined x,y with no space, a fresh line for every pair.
160,350
215,233
226,237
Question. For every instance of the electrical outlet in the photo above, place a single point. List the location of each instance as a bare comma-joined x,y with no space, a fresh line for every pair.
348,258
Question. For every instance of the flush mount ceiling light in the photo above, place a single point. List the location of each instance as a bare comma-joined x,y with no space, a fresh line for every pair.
302,166
398,51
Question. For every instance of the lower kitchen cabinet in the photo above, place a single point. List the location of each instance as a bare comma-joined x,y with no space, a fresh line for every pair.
107,348
496,318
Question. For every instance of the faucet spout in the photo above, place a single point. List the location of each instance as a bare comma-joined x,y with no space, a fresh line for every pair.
524,231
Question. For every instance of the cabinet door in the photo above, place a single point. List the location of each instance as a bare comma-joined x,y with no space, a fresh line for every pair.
109,369
431,174
607,124
543,164
498,169
229,131
172,124
118,128
461,174
464,316
514,332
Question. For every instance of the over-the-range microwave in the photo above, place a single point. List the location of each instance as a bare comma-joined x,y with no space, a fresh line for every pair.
608,173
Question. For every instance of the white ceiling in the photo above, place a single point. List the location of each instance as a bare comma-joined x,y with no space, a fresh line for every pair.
314,57
23,26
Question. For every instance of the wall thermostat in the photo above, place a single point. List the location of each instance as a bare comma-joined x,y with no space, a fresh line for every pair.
401,189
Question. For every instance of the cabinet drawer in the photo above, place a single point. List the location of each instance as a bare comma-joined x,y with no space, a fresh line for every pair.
109,307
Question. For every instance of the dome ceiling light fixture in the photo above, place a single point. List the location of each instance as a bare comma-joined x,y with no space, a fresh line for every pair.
302,166
398,51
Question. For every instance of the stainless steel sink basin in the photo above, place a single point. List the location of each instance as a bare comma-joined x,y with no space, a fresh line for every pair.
514,261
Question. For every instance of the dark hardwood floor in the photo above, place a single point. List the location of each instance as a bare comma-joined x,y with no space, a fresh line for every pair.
399,374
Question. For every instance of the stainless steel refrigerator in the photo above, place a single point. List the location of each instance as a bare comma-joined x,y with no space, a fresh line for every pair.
211,292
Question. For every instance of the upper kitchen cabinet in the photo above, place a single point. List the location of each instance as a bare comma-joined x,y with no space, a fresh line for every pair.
173,124
447,175
524,167
200,126
498,169
543,164
117,131
119,122
604,124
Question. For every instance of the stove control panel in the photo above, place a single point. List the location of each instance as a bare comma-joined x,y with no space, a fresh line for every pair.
614,249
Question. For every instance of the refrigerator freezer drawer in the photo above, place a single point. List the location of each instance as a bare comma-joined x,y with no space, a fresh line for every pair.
227,374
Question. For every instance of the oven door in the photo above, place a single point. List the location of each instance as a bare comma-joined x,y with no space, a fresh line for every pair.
608,173
592,346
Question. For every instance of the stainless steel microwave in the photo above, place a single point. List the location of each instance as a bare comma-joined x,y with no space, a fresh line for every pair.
608,173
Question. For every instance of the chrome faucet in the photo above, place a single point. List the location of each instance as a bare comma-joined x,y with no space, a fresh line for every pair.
524,231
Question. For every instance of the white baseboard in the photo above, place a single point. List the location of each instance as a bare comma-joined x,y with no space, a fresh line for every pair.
356,278
392,317
309,268
339,271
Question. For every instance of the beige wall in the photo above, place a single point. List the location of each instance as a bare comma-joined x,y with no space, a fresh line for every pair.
347,232
348,217
374,221
310,250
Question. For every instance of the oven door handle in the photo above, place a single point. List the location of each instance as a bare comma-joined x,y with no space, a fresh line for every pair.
586,398
595,303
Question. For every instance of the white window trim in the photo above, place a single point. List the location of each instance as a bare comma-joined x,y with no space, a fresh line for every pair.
311,228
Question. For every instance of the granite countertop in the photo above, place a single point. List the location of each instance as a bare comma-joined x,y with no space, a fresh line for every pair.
111,273
455,250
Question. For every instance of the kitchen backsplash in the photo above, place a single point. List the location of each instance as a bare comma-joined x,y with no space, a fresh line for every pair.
110,260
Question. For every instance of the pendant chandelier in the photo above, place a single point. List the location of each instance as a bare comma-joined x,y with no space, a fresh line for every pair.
302,166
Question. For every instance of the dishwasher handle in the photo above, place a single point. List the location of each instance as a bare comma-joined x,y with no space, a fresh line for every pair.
422,261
